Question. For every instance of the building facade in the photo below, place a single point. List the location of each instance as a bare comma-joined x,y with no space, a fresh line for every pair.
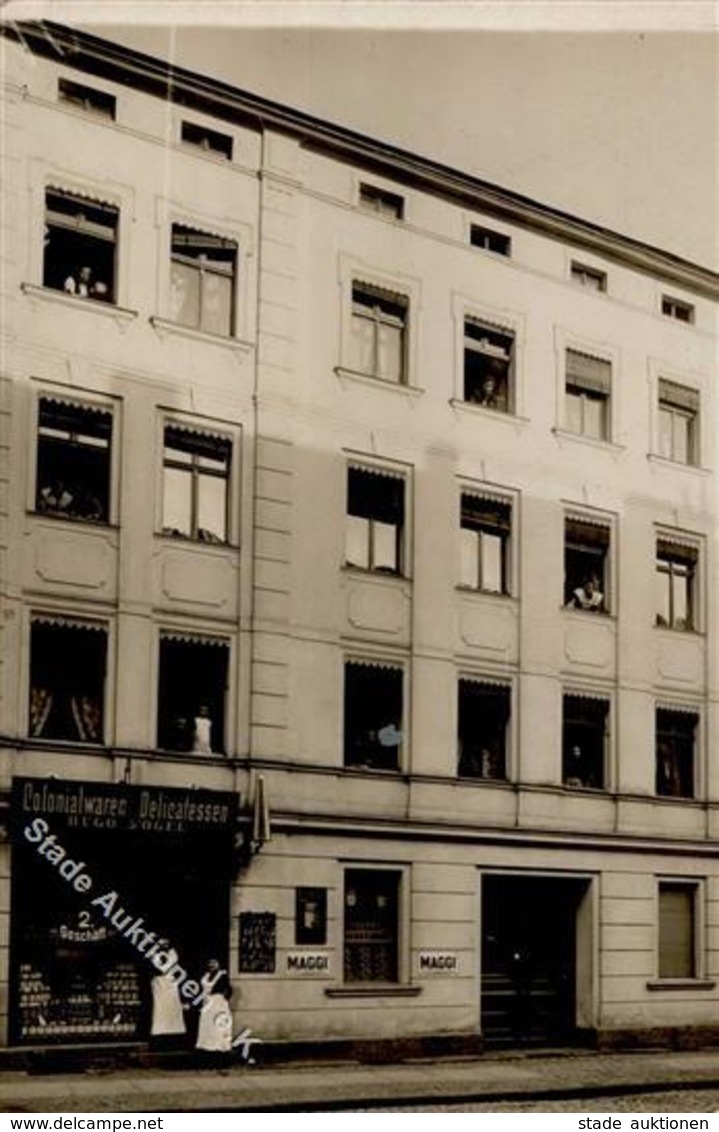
359,582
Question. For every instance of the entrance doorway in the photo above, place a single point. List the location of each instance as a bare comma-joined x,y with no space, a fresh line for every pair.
532,933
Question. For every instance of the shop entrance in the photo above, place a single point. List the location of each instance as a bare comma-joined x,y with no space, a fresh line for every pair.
535,956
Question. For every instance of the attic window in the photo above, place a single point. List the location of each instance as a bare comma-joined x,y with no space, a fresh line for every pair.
490,240
374,199
676,308
209,140
86,98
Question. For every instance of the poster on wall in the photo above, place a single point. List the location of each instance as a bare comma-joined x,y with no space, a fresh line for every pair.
109,883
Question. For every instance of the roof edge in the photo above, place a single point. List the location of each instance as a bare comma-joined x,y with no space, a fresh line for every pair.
104,58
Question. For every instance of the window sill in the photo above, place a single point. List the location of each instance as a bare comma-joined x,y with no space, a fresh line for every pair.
680,984
383,575
494,595
579,438
378,382
75,302
71,746
675,465
594,791
593,614
678,799
368,769
370,990
226,340
197,543
490,414
674,630
75,520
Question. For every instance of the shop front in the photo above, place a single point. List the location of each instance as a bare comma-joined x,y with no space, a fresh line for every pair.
109,883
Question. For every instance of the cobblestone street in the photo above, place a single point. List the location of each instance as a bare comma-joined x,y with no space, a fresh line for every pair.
694,1100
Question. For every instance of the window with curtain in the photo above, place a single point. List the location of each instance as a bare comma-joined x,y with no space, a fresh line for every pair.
588,384
67,679
202,280
378,333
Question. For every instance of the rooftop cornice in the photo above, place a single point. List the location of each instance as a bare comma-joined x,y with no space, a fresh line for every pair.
112,61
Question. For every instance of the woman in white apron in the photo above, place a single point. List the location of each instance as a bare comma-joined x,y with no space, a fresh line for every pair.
214,1032
168,1019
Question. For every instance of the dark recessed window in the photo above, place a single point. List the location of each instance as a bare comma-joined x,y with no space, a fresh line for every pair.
490,240
585,728
675,751
191,694
67,679
677,308
482,729
80,246
87,98
586,561
384,203
589,277
202,285
208,140
488,358
373,715
73,460
196,482
375,520
371,926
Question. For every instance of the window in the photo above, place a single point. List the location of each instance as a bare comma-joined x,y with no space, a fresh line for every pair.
585,731
371,926
485,525
373,715
589,277
488,355
209,140
87,98
677,930
676,569
80,245
676,308
482,729
311,916
202,281
384,203
586,554
196,479
73,460
191,693
375,520
587,392
675,746
379,333
678,422
67,679
489,240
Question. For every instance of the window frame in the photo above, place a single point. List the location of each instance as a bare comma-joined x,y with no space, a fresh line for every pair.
472,345
486,237
210,231
223,152
666,386
672,307
498,321
79,95
599,521
354,272
387,664
589,277
695,886
507,538
55,615
679,711
671,549
379,318
196,471
404,874
379,201
182,634
100,201
497,685
402,534
581,390
596,697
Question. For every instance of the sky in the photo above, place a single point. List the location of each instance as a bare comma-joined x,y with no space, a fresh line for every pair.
607,110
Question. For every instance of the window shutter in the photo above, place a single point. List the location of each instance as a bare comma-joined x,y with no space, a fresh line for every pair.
676,932
593,374
678,396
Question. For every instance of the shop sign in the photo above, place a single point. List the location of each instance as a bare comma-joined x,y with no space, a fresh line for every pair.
438,962
308,963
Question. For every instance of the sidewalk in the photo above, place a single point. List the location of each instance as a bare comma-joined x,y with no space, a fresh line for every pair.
346,1085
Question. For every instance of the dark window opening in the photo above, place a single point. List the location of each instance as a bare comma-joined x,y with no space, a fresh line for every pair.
482,731
586,553
73,460
371,926
587,394
202,281
678,422
488,357
87,98
80,246
675,744
375,521
209,140
585,725
484,529
675,585
373,715
381,201
677,945
378,334
67,681
196,480
490,240
311,916
676,308
590,277
192,691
